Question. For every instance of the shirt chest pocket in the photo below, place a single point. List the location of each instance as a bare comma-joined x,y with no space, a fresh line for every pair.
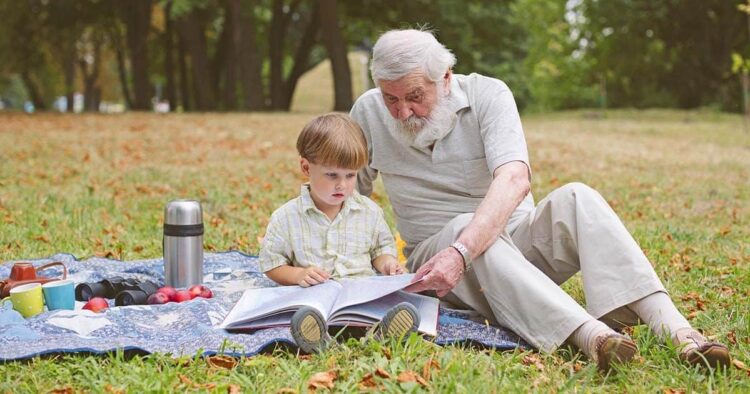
469,177
358,242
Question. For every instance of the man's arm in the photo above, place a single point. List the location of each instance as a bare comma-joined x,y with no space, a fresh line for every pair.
508,188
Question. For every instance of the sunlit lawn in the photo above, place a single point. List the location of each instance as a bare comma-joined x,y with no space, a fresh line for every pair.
97,185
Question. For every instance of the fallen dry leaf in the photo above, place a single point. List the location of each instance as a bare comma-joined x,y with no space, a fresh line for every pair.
322,380
382,373
233,389
669,390
187,382
108,388
741,366
64,390
428,367
221,361
732,337
286,390
368,382
411,376
42,238
533,359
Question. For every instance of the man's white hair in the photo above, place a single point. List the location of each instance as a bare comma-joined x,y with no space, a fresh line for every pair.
398,53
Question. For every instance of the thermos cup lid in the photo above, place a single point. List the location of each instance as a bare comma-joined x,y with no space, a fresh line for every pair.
183,212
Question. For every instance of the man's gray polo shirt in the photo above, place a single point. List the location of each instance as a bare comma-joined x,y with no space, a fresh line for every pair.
429,188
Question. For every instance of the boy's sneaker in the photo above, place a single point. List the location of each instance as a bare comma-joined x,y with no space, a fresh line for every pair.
309,330
398,322
695,349
614,348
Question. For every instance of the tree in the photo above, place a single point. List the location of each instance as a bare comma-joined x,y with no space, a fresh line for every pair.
674,53
191,27
136,14
282,88
245,40
337,53
22,43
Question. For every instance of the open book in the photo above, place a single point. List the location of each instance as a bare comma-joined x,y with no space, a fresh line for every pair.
344,302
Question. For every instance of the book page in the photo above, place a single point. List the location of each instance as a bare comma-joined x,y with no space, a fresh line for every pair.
260,303
360,290
372,312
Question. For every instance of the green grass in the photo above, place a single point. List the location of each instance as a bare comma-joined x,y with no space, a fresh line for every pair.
97,185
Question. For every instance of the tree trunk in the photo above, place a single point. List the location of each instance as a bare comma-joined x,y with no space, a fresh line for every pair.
226,61
69,69
191,28
137,15
169,57
33,91
90,74
232,28
337,53
184,78
301,59
276,55
122,72
248,58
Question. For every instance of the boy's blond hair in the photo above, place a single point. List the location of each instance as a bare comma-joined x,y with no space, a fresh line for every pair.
333,139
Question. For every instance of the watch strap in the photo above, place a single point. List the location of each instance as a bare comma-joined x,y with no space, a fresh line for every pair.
464,251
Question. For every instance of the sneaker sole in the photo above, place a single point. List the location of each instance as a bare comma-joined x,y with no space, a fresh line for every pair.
400,320
309,331
616,350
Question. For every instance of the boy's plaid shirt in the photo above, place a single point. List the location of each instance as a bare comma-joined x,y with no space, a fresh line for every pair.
301,235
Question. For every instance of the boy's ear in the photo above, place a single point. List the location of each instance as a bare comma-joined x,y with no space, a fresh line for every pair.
304,165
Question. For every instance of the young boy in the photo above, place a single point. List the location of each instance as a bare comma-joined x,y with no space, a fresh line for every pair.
330,230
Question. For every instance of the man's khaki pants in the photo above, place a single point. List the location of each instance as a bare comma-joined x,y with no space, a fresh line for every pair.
516,281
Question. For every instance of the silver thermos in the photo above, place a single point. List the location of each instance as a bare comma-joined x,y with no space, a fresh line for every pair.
183,243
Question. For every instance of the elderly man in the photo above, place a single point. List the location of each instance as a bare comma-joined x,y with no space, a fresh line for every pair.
453,158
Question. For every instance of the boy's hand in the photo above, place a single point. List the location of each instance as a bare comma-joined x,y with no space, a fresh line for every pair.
388,265
311,276
392,267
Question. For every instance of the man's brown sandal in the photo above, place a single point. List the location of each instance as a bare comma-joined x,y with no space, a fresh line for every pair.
697,350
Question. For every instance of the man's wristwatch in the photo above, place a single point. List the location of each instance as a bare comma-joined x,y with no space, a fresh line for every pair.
461,248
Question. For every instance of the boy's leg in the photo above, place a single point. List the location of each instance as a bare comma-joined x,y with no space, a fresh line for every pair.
309,330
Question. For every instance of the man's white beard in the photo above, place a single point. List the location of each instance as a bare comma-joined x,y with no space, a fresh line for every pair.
424,132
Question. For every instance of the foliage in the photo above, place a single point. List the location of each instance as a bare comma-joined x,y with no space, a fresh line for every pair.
552,53
669,53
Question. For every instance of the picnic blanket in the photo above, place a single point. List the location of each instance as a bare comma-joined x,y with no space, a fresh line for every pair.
179,329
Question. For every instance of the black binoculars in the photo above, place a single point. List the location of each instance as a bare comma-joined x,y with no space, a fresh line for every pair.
124,291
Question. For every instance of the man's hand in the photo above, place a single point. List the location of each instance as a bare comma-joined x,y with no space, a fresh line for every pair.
441,273
311,276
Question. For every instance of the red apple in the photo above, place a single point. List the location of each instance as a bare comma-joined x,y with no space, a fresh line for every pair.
169,291
182,295
200,291
158,298
96,304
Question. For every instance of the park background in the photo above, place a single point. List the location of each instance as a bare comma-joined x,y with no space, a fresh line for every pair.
249,55
642,100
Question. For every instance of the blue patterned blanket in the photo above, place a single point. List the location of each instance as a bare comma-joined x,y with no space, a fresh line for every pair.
178,329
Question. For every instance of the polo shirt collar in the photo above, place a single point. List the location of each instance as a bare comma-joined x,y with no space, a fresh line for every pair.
458,96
